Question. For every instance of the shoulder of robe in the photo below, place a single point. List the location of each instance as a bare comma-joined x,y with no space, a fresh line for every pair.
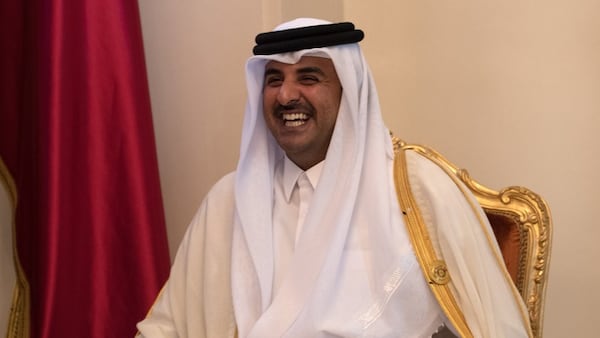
224,186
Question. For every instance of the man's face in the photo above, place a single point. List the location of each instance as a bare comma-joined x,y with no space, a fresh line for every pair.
301,103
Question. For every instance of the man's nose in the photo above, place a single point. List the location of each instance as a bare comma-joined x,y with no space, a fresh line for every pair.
288,92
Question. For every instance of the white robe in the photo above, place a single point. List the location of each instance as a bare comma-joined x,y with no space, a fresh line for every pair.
196,301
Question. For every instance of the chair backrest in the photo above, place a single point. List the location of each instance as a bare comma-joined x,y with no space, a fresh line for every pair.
8,276
14,298
522,224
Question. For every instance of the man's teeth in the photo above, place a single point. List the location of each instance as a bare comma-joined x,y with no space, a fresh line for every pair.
295,116
294,119
294,123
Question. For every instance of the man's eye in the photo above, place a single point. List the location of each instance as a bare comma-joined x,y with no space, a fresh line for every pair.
309,80
273,81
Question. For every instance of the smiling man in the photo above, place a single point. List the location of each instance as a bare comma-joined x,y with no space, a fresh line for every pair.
307,237
300,107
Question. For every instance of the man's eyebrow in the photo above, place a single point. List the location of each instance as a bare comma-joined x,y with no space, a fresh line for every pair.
272,71
303,70
306,70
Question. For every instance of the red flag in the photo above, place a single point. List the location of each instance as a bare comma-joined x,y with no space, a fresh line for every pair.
76,136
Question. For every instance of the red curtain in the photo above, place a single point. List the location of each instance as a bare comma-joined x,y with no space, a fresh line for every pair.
76,136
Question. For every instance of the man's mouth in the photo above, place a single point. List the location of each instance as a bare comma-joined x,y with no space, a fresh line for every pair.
294,119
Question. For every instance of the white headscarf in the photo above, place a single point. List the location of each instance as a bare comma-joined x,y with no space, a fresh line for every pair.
353,251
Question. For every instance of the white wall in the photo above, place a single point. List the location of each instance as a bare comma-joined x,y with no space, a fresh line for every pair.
508,89
195,55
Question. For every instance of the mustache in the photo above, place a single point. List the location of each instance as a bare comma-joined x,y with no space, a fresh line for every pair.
298,106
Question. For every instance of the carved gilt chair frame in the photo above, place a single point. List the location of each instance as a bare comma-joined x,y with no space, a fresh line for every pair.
522,224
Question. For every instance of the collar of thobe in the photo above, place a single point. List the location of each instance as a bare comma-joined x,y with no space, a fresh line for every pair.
291,173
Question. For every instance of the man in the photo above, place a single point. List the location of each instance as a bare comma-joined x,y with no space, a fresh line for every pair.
308,238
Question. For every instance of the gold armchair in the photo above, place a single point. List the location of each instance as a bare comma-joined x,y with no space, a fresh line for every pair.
522,224
523,228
